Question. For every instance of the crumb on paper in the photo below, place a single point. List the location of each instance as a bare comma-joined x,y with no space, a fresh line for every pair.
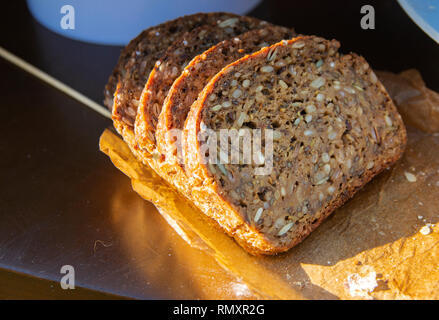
410,176
425,230
361,286
241,289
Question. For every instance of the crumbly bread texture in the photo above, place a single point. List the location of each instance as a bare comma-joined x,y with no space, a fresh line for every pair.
169,67
186,88
335,128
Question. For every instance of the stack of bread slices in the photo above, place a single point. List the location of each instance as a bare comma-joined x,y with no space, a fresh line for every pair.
265,131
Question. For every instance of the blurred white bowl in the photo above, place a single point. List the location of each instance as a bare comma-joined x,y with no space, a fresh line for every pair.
115,22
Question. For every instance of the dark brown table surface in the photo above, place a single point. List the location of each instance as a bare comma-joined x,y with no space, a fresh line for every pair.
62,202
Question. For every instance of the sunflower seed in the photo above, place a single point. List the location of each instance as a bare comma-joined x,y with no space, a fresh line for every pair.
267,69
271,54
317,83
388,121
320,97
226,104
236,94
283,84
228,23
298,44
310,108
258,214
285,229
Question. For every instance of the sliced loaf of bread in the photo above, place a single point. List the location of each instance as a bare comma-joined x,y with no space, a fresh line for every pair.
327,127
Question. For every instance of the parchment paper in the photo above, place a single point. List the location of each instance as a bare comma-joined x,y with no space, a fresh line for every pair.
382,244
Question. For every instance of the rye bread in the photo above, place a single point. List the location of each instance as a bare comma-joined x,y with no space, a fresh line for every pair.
169,67
186,88
335,128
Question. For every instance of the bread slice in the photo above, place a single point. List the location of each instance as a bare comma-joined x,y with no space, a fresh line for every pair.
335,128
186,88
170,66
138,58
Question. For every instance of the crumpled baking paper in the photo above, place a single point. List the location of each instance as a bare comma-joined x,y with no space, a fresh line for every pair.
382,244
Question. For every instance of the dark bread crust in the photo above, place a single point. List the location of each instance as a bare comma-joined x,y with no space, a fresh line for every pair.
195,76
170,66
207,193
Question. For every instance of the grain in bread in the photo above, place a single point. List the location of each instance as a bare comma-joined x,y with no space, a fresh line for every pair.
335,128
